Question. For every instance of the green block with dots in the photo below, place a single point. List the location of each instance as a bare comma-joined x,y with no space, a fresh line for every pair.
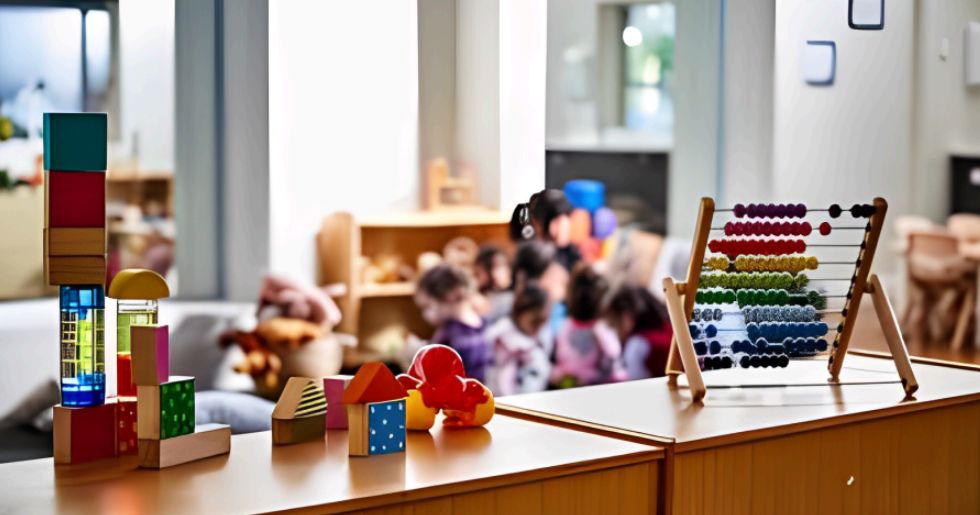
176,407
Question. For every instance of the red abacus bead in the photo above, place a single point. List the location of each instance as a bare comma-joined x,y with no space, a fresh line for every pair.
807,228
713,245
800,246
825,228
729,229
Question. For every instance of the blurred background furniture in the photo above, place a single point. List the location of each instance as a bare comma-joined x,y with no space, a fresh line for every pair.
377,259
966,227
942,286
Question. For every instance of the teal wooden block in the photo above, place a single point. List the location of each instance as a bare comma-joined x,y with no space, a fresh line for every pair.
75,142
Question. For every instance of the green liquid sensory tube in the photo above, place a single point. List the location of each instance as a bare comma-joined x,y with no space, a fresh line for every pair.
128,314
82,335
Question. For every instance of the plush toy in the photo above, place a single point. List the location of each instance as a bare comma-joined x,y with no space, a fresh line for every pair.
290,316
436,381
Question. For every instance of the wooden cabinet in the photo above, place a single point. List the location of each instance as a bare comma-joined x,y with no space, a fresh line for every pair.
382,314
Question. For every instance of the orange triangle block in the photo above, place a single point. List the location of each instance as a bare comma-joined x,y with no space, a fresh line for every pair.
373,383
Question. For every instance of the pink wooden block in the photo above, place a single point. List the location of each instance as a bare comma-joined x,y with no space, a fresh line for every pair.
151,354
333,389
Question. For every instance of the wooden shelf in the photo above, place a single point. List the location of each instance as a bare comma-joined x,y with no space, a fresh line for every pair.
400,289
440,218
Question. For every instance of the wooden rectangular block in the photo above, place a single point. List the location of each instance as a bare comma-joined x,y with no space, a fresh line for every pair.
376,428
166,410
76,141
297,430
76,270
75,241
126,431
75,199
333,389
150,346
207,440
84,434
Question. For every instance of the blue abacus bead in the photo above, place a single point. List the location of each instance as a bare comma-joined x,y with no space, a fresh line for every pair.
695,330
753,330
700,348
810,345
696,315
790,345
822,345
717,314
714,347
821,328
776,348
761,345
711,331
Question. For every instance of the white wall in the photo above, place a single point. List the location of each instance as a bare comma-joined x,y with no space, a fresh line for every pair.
849,142
947,113
343,118
146,48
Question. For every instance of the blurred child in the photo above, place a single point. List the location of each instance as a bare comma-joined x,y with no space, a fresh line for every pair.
521,363
546,217
445,297
641,323
493,279
586,350
535,262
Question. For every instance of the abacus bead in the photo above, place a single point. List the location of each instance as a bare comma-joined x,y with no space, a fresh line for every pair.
822,328
867,210
696,315
752,211
700,348
743,361
711,331
717,314
729,229
825,228
726,362
834,211
807,228
801,210
739,210
856,211
821,345
695,331
782,361
755,361
714,347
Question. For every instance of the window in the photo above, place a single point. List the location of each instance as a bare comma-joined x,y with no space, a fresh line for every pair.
648,66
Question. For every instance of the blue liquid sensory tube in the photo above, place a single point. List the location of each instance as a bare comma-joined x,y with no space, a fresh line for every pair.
82,338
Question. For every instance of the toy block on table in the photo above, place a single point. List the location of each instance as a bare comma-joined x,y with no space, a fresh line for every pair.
206,441
75,199
84,434
76,270
299,415
75,241
165,410
126,431
333,390
375,403
75,141
150,346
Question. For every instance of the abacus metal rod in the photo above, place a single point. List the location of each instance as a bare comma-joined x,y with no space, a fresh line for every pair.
730,209
834,227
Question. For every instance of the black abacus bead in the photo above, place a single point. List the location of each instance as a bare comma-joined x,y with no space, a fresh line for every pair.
857,211
726,362
821,345
835,211
755,361
782,361
714,347
700,348
743,361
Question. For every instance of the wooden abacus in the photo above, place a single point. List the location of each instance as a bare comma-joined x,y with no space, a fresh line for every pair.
781,256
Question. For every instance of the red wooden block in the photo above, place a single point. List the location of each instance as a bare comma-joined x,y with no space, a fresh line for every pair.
126,442
76,199
84,434
373,382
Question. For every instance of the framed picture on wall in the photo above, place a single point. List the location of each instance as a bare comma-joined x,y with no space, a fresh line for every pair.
866,14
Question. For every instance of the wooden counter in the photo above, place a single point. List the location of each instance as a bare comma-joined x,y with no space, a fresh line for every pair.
512,466
851,448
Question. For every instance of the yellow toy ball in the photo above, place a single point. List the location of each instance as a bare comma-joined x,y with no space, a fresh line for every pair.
418,416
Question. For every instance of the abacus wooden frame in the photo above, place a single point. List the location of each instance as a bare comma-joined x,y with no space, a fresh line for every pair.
682,346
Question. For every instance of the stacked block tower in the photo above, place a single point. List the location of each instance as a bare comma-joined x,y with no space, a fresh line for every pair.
165,423
74,260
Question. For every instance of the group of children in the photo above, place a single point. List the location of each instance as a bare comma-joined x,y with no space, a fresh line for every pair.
546,319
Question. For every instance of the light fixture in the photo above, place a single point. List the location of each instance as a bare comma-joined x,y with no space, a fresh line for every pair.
632,36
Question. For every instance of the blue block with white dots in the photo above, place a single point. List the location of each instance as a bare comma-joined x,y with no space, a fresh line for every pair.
386,427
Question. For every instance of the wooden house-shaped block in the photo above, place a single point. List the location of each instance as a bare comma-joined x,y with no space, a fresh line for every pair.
375,404
300,413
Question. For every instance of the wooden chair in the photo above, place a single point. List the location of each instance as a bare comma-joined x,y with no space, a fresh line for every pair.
941,288
966,227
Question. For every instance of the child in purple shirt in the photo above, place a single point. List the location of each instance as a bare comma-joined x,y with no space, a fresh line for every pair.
445,295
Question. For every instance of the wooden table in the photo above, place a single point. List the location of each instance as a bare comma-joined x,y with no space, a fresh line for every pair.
851,448
512,466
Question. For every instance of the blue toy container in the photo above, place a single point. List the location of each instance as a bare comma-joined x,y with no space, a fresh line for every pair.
82,345
586,194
